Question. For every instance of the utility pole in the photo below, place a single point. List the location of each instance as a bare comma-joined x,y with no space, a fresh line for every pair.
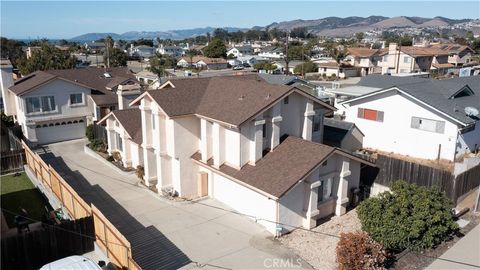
286,52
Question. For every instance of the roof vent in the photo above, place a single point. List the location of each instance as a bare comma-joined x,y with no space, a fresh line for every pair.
107,75
268,96
471,111
242,97
455,108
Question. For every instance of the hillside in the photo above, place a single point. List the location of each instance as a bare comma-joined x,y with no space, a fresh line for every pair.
329,26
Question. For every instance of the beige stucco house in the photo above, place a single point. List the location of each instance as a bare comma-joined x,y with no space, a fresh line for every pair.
244,142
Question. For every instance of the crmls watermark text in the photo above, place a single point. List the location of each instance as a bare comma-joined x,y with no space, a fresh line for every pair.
282,263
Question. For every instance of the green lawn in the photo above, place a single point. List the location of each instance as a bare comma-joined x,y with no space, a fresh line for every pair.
18,192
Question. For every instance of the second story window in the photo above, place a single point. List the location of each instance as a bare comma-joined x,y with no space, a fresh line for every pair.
40,104
368,114
406,59
76,99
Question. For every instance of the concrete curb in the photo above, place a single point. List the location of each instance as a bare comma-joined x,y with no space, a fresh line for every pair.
93,154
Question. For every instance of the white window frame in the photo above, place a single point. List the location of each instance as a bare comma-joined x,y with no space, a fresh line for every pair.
416,123
55,110
76,104
327,193
119,141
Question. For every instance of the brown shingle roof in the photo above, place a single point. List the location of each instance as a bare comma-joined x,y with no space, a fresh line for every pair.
89,77
205,59
362,52
281,169
131,121
229,99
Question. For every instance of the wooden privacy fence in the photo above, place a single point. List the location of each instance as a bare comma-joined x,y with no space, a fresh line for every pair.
12,161
115,245
455,187
41,246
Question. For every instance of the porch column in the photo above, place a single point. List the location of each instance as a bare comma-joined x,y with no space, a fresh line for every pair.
312,207
276,120
307,122
342,192
203,139
110,136
127,153
257,143
158,160
218,145
146,143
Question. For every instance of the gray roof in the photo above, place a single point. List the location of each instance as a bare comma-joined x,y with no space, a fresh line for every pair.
436,93
338,123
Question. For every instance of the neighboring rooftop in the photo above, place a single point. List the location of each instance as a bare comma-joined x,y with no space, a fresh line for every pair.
449,96
93,78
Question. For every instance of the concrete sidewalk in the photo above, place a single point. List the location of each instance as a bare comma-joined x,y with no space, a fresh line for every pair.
465,254
166,234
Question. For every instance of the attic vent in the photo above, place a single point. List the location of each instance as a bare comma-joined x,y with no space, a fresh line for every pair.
268,96
464,92
107,75
241,97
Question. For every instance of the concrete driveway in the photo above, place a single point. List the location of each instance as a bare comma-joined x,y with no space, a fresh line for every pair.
166,234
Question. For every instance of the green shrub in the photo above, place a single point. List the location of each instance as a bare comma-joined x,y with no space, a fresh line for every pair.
97,145
110,158
410,217
357,251
89,133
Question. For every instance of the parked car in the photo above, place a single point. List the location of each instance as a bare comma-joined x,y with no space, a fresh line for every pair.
238,67
247,65
72,262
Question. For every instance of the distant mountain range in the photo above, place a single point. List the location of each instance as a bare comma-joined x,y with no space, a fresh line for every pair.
329,26
172,34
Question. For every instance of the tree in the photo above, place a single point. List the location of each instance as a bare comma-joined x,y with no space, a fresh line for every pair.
159,64
359,36
409,217
11,49
299,32
48,57
265,66
190,54
118,58
338,54
306,67
221,34
142,41
108,41
357,251
215,49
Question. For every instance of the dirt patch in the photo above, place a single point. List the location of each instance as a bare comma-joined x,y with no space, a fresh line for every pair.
317,246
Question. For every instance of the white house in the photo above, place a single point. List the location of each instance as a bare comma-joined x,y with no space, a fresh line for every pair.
175,51
423,118
272,53
240,51
143,51
246,143
56,105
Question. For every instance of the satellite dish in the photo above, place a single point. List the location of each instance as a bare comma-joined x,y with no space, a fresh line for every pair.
471,111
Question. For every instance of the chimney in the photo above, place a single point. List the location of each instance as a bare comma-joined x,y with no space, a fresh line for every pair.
120,98
392,48
6,80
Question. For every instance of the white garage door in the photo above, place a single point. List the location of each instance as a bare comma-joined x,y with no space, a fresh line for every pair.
60,131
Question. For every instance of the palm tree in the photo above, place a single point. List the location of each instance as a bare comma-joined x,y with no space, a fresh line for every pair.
338,54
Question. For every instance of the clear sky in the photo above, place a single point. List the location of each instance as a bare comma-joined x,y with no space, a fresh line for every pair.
21,19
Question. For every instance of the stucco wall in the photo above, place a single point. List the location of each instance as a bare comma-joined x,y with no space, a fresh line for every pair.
244,200
293,205
61,90
395,134
293,115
